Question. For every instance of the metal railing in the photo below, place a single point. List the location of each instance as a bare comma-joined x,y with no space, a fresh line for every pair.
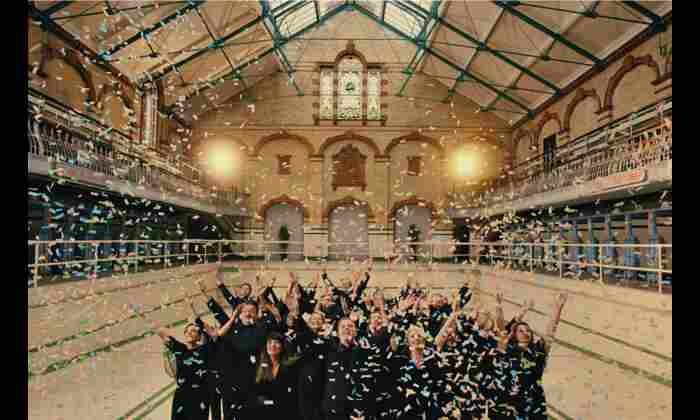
70,147
625,262
594,156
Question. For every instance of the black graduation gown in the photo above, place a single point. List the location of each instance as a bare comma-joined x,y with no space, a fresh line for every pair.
191,399
419,394
341,383
277,399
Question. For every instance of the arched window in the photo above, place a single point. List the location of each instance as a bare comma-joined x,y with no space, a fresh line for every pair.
350,88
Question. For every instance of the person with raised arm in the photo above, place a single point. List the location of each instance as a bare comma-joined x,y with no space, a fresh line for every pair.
241,293
342,383
519,361
420,391
214,377
192,359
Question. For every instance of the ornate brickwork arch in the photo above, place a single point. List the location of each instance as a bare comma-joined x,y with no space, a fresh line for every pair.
581,95
109,89
72,59
415,201
350,51
546,117
284,199
414,137
283,136
347,201
519,135
628,64
349,136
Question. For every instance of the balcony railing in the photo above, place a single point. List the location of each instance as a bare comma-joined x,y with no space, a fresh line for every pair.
598,155
71,147
650,264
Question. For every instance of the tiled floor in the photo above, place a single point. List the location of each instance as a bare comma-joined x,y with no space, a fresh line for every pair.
612,359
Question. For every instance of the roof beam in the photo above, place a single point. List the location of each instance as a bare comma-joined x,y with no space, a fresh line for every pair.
589,13
546,52
490,50
235,72
106,55
215,41
655,19
56,7
439,56
419,54
245,27
471,59
56,29
540,27
274,31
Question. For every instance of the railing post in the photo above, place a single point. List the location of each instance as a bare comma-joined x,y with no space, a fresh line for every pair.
97,257
510,255
659,251
600,264
36,265
220,256
561,260
135,258
187,253
532,256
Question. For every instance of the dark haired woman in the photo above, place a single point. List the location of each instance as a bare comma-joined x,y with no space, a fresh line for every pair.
191,399
273,393
519,362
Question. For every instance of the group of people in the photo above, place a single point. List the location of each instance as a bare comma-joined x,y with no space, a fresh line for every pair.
347,351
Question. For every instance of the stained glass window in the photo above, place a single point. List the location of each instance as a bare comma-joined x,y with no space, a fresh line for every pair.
327,94
374,82
343,93
350,72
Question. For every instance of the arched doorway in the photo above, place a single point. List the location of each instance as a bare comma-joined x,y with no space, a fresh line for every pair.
348,229
407,219
284,211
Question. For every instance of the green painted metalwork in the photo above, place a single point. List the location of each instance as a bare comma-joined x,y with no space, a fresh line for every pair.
588,13
217,42
282,6
295,6
438,56
419,54
485,47
452,90
275,34
284,41
70,40
57,7
656,20
517,79
245,27
153,28
537,25
318,12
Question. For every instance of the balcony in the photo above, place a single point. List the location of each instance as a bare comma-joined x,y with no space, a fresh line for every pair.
634,156
72,148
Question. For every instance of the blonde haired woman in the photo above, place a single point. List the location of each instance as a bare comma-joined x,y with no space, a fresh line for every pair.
421,392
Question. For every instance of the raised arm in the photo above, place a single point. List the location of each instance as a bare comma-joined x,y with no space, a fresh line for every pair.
227,326
232,300
559,302
500,318
202,289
